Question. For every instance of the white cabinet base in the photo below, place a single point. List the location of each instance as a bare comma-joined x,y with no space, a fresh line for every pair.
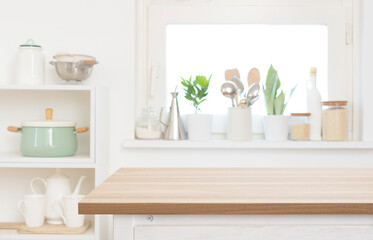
243,227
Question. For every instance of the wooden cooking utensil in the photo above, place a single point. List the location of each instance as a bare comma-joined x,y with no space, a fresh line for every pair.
253,76
229,73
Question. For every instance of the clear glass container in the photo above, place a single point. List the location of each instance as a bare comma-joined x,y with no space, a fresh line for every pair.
335,121
148,126
300,126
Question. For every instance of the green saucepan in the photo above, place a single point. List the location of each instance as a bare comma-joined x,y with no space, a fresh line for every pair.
48,138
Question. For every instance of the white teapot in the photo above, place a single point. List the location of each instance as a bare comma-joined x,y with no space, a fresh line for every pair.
57,186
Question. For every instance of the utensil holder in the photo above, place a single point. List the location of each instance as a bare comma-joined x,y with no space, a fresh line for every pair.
239,124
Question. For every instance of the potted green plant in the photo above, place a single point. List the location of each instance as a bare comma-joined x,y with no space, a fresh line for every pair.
196,91
275,124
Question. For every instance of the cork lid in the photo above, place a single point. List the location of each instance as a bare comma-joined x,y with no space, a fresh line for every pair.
301,114
313,71
335,103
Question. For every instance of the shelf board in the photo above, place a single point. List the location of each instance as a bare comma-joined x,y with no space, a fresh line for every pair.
48,87
13,235
16,160
256,144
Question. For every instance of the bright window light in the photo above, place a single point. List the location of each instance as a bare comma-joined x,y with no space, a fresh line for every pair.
211,49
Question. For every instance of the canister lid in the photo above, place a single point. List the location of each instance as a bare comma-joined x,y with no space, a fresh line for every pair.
335,103
30,43
301,114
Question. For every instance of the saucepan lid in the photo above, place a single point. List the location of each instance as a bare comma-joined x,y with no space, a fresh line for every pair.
49,122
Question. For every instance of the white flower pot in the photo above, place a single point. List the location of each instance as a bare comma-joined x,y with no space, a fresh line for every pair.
239,124
276,127
199,127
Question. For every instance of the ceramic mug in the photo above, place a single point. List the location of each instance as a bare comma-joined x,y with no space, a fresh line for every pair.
68,209
33,208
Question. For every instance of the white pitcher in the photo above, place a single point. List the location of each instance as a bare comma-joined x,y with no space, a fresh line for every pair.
57,186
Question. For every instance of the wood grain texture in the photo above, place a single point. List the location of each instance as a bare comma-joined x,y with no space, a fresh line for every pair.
54,229
233,191
10,225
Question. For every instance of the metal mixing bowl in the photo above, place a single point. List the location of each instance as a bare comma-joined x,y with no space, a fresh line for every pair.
74,71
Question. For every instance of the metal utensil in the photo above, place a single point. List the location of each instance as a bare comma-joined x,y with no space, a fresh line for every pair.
229,90
239,83
240,88
253,100
253,91
244,102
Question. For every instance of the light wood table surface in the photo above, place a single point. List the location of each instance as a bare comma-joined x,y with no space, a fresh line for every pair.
232,191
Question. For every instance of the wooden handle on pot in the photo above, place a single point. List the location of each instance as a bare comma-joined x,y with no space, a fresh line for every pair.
13,129
82,129
49,114
89,62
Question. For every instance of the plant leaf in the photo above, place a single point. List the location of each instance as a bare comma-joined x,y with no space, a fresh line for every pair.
196,91
288,98
279,103
270,91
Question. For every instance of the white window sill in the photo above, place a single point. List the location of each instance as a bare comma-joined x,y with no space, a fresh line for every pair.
256,144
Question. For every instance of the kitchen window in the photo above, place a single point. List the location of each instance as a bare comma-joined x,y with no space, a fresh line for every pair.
293,35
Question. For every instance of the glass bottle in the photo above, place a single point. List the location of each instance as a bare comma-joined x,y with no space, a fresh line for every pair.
314,106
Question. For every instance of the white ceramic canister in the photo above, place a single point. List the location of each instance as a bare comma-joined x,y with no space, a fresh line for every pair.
239,124
30,64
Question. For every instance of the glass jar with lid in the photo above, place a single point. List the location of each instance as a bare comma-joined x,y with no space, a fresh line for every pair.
300,126
335,121
148,125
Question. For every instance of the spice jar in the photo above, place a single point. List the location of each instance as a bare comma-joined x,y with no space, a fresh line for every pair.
148,126
335,121
300,126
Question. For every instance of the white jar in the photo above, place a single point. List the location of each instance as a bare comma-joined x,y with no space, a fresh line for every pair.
30,64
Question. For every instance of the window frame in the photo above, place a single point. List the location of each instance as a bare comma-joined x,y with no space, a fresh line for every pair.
150,71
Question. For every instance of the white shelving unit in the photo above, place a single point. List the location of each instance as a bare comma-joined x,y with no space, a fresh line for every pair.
86,105
16,160
256,144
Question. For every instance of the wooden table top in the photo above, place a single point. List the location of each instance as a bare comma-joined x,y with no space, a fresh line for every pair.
232,191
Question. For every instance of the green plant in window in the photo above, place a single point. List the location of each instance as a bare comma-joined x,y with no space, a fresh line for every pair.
275,98
196,91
